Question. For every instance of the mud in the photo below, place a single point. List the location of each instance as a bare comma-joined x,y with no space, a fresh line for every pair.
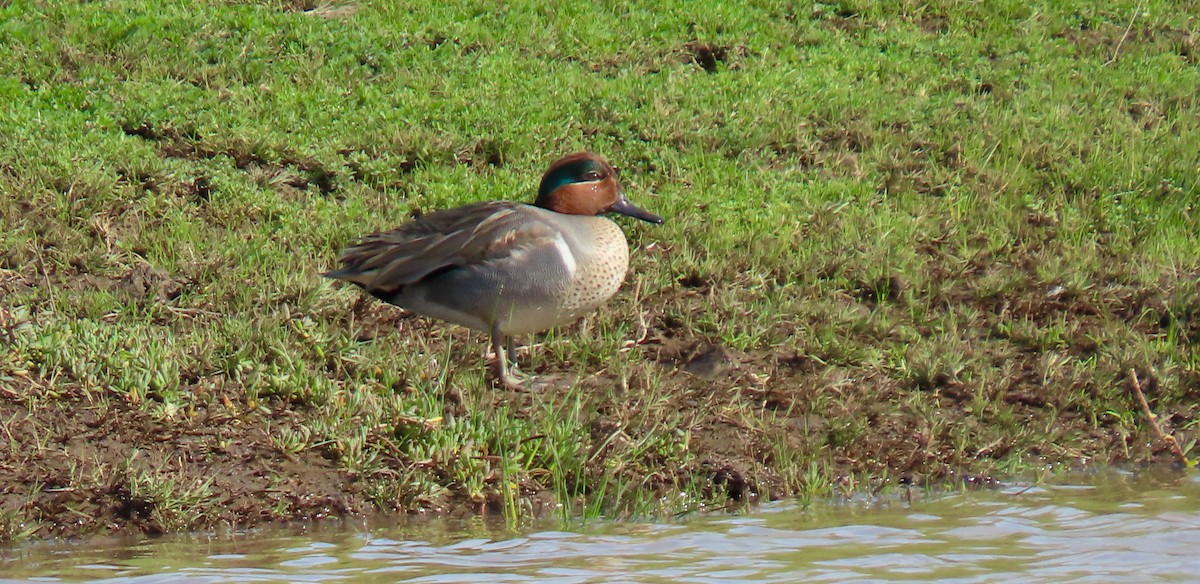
74,462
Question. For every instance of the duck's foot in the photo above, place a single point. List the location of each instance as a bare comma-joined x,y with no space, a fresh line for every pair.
504,368
510,378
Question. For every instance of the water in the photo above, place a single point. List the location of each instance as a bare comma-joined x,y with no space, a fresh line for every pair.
1118,530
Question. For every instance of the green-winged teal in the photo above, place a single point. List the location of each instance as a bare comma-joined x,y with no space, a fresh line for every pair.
506,268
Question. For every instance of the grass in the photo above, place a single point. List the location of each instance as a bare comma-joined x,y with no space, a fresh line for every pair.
906,243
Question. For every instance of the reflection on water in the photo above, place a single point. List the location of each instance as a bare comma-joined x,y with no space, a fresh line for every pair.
1119,529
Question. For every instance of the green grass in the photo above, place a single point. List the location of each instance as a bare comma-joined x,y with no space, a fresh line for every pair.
933,237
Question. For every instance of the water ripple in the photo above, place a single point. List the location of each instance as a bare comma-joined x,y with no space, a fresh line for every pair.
1045,534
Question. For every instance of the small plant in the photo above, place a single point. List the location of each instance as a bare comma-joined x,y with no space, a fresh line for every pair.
15,526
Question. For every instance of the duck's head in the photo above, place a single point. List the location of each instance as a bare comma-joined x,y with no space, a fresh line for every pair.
586,184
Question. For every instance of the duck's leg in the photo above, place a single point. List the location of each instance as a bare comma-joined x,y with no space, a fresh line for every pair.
503,374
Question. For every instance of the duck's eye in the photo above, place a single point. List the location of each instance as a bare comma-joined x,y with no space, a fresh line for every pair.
592,175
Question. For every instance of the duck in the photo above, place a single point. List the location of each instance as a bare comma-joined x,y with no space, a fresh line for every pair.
506,268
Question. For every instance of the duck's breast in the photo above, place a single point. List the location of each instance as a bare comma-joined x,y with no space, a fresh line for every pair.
601,258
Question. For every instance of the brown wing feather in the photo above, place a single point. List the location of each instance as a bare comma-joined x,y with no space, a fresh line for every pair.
389,260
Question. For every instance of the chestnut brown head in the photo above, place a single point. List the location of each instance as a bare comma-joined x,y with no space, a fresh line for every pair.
586,184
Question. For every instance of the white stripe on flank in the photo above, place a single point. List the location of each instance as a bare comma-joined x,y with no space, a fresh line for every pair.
564,251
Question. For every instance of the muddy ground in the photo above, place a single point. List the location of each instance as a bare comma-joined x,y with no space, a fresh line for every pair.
73,466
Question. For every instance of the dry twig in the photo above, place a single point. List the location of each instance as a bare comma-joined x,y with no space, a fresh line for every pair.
1117,49
1158,431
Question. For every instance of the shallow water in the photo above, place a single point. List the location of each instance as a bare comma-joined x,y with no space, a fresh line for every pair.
1119,529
